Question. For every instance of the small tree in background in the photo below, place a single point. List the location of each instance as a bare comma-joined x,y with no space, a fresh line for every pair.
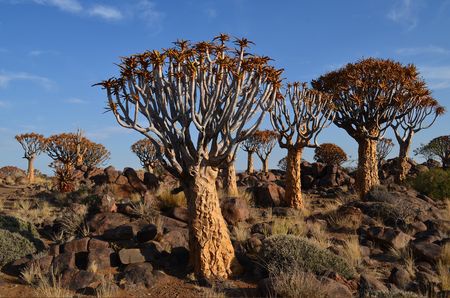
196,100
147,153
250,146
64,149
94,155
33,144
298,117
420,117
330,154
369,95
265,142
282,164
437,148
384,147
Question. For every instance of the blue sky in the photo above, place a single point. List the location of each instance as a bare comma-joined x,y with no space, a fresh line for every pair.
52,51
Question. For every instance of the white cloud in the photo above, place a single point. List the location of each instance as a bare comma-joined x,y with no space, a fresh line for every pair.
147,11
36,53
6,78
422,50
438,77
65,5
75,100
404,12
106,12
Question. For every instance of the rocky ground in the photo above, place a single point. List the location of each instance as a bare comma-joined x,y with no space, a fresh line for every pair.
124,233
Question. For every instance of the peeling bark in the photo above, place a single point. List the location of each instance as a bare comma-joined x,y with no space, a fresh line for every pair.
30,171
293,195
250,168
211,251
367,174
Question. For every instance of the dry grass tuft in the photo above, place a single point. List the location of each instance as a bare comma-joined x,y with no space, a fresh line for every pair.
241,232
318,235
443,267
168,200
352,252
406,258
31,273
50,286
107,287
297,284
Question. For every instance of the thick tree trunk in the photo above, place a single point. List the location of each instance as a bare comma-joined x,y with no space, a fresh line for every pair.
229,182
250,168
211,252
265,163
402,163
367,174
30,171
293,195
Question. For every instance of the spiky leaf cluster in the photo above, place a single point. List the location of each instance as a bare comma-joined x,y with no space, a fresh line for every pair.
32,143
330,154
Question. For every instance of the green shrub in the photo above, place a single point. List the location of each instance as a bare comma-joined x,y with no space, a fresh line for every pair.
14,246
286,252
23,228
434,183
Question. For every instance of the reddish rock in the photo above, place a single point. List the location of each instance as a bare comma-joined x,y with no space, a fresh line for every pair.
107,204
268,195
77,245
102,258
63,262
131,256
106,221
389,237
97,244
176,238
112,174
81,280
427,251
134,180
235,210
179,213
147,233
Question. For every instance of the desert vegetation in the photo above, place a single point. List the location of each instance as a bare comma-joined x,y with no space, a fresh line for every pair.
189,224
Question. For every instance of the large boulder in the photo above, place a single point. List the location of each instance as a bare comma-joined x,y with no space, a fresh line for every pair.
268,195
134,181
389,237
235,210
106,221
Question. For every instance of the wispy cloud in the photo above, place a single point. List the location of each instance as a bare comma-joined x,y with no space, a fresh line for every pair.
7,78
106,12
65,5
431,49
36,53
405,12
4,104
75,100
147,11
438,77
211,13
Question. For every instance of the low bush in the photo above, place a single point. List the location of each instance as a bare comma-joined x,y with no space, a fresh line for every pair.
14,246
23,228
434,183
286,252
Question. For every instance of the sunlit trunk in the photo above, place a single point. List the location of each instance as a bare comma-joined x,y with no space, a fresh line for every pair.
30,171
265,163
367,174
293,195
211,252
149,168
250,168
402,162
230,183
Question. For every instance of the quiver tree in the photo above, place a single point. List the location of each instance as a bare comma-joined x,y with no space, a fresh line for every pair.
298,117
368,96
94,155
250,145
147,153
265,142
229,176
33,144
64,149
437,148
384,147
421,116
330,154
196,100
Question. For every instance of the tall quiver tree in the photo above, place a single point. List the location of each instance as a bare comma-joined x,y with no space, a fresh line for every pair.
196,100
265,142
147,153
250,146
421,116
368,96
94,156
298,117
33,144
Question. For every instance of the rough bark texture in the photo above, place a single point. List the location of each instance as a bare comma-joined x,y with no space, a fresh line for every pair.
250,168
229,182
293,195
367,175
30,171
402,163
265,163
211,251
